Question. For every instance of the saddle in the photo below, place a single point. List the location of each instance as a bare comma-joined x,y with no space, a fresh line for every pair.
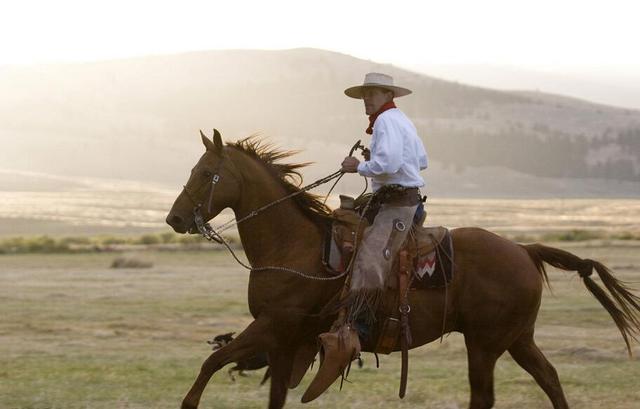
425,252
347,231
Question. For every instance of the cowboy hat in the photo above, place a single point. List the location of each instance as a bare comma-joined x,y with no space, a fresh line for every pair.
375,79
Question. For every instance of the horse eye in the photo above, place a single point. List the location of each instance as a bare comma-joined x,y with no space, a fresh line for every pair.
207,174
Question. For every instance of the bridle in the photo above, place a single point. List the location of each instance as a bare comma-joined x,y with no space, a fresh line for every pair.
215,178
212,234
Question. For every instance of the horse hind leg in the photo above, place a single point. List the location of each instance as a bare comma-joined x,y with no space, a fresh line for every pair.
527,354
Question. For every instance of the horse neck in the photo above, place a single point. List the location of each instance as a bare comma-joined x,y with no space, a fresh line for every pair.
281,234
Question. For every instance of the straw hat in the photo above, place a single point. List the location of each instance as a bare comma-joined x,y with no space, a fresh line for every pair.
375,79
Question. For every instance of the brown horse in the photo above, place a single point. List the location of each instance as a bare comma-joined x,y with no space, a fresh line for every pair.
493,299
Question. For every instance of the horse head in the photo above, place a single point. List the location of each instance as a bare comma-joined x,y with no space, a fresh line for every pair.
214,184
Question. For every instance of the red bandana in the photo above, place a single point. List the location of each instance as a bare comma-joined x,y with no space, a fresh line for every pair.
373,117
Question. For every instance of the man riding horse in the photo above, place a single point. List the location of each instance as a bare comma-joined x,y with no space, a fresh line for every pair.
393,163
291,293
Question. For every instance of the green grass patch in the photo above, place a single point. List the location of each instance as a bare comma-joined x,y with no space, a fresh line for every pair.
575,235
83,244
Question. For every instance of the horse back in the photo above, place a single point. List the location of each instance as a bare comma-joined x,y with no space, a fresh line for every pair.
496,281
495,284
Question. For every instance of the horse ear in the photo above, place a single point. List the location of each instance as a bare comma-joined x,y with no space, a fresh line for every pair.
217,140
207,142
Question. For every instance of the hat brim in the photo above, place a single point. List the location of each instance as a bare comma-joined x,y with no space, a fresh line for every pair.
356,92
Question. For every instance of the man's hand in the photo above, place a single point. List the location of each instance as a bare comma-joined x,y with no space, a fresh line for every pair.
350,164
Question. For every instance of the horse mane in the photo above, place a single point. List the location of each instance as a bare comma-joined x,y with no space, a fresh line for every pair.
287,174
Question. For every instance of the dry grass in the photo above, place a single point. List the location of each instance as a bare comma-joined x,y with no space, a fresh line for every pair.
76,334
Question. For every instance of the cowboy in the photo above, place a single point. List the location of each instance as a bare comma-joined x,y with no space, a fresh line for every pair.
393,162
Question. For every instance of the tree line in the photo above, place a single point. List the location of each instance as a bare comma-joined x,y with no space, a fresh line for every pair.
541,154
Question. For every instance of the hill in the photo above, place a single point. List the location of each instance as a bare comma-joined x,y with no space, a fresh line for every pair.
138,119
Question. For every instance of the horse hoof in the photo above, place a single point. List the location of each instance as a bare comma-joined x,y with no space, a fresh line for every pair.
338,349
188,405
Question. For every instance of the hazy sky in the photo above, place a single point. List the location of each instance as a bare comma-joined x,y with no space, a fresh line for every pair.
557,36
541,33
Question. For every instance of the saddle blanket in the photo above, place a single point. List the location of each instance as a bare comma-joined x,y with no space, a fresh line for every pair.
434,269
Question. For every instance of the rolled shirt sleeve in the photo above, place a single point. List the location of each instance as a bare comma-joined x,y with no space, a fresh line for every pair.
424,160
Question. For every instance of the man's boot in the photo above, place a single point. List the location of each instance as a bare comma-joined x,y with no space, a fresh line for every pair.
337,350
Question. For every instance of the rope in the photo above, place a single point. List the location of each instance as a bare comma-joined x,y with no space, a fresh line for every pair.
212,234
233,222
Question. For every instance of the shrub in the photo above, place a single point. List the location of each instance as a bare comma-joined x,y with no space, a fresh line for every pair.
149,239
130,262
13,245
627,235
45,244
575,235
168,237
110,240
82,241
524,238
191,238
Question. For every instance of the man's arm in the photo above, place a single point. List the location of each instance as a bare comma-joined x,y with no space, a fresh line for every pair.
386,158
350,164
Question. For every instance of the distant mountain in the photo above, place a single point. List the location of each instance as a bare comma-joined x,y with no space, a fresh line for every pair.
616,85
138,119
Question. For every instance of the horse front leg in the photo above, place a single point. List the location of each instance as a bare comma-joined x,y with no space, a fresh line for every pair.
280,367
257,337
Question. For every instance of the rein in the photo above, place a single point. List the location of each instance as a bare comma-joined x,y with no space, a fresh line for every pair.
233,222
212,234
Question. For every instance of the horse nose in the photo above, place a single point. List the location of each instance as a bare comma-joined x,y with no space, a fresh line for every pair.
175,221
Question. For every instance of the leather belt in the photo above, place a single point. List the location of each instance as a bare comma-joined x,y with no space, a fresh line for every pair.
405,197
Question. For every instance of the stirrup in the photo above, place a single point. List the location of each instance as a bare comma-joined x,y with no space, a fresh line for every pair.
337,350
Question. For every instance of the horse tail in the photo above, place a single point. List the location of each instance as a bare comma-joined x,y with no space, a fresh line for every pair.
620,303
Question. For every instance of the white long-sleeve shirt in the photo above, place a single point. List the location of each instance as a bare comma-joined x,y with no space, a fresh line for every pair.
397,152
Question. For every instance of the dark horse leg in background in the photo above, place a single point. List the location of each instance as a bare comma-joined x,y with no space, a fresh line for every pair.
256,338
481,361
483,350
527,354
280,366
490,329
482,354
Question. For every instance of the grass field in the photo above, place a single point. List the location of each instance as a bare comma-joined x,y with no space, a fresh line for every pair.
76,334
